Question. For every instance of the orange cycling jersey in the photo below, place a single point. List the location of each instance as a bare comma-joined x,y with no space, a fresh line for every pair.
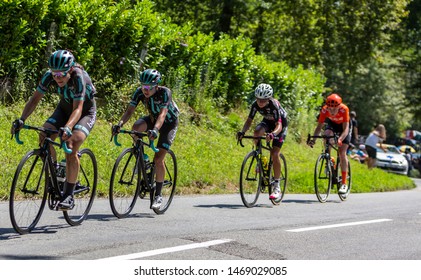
341,117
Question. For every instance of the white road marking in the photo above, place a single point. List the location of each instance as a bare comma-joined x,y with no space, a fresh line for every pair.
168,250
340,225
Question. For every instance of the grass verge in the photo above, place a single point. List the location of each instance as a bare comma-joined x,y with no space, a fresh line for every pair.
209,160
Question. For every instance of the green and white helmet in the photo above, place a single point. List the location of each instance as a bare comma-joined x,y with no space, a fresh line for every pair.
61,60
263,91
150,77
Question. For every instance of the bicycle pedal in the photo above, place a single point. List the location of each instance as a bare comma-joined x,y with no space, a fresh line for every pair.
142,193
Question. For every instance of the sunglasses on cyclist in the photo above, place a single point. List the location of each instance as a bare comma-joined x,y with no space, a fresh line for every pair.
262,99
147,87
59,74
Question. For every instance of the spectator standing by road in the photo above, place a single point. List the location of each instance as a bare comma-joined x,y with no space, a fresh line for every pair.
378,135
408,156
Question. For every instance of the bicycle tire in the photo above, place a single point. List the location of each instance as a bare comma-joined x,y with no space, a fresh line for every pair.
323,178
124,184
28,193
170,182
85,188
250,179
282,180
343,196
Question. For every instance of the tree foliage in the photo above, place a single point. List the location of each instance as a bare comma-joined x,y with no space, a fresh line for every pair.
341,39
213,53
117,40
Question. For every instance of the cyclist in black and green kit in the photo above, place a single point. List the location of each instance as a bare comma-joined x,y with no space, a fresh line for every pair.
74,117
162,120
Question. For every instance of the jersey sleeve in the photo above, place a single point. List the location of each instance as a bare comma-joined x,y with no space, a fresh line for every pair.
80,89
166,99
136,97
45,82
322,115
347,118
253,110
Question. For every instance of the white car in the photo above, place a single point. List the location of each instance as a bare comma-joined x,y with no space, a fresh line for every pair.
392,160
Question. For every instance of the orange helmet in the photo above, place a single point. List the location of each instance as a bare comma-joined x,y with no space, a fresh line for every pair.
333,100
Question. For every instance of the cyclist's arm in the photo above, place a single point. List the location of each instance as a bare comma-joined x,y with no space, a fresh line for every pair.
31,104
318,129
278,128
76,114
247,125
161,118
127,115
345,126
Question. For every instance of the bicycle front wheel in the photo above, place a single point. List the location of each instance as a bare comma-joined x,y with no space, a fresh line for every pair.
344,196
323,178
124,187
250,179
282,180
170,181
28,193
85,188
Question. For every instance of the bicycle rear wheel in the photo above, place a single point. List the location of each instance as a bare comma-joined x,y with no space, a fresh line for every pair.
28,193
170,181
343,196
250,179
282,180
323,178
124,187
85,189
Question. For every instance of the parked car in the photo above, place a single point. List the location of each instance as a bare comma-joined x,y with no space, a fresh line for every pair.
392,160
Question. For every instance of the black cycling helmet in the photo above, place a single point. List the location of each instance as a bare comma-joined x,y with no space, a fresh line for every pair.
150,77
61,60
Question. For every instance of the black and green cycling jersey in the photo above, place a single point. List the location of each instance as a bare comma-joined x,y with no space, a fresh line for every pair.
79,87
161,99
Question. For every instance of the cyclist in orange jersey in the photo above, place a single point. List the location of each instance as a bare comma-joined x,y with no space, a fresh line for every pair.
336,116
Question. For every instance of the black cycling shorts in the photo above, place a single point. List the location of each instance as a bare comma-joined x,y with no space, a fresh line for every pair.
338,128
166,133
269,126
85,124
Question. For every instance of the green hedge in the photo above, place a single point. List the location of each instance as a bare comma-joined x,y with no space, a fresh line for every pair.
116,40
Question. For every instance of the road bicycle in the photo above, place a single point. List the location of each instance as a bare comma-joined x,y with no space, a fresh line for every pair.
133,176
327,172
39,180
257,173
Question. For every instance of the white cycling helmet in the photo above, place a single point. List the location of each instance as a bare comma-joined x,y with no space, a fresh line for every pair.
263,91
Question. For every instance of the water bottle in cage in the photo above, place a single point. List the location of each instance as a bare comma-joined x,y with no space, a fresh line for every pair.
61,171
147,162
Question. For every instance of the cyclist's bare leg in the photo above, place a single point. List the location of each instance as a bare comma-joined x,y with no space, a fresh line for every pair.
343,157
53,137
276,162
141,126
329,132
259,131
72,159
159,165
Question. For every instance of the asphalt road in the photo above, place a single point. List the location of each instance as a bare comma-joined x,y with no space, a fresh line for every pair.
369,226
